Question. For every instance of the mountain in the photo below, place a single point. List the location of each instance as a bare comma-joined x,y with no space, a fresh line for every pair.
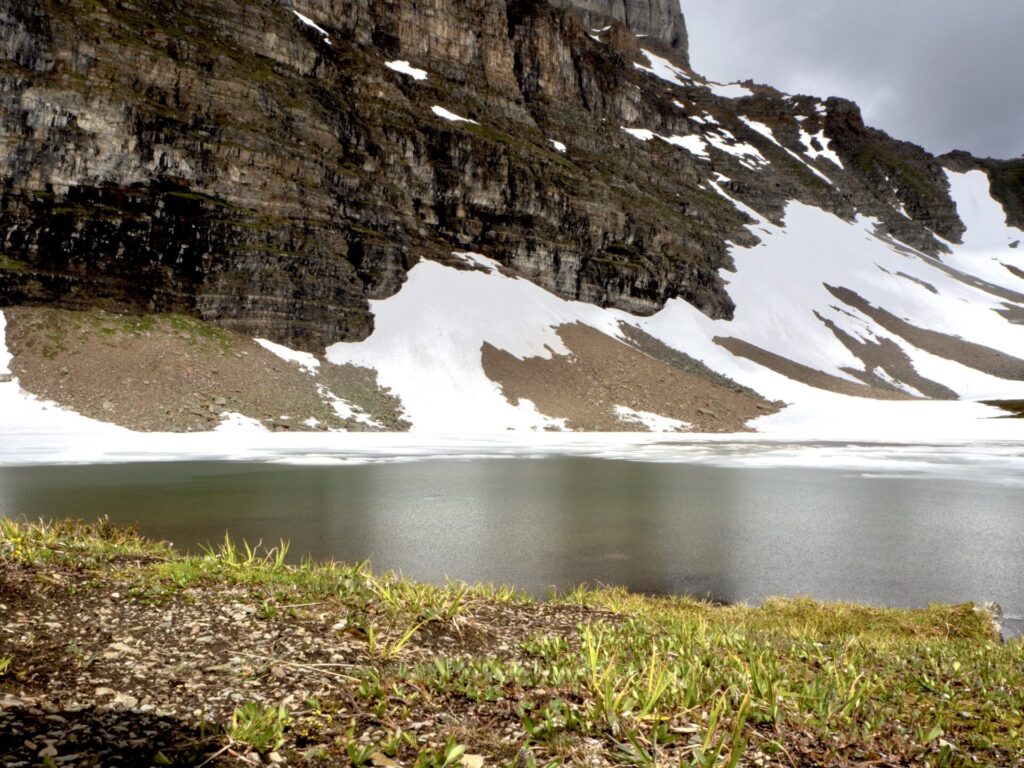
489,214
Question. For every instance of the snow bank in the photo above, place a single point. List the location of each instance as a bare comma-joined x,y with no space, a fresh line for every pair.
313,25
693,144
427,341
664,69
826,151
652,422
721,140
769,134
405,68
986,251
451,116
640,133
306,360
346,410
729,90
237,422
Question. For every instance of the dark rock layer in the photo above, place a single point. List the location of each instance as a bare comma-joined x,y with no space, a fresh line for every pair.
224,158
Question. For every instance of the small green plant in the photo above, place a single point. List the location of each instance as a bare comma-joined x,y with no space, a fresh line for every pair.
384,650
259,727
450,754
5,664
721,748
395,741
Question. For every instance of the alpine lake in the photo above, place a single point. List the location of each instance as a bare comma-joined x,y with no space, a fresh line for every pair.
726,533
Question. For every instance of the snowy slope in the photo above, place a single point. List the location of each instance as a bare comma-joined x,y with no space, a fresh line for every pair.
987,246
427,340
428,350
428,337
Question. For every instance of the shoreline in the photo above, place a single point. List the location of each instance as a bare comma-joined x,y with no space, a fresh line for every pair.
116,645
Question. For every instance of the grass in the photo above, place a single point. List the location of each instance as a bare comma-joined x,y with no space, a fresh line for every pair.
633,680
259,727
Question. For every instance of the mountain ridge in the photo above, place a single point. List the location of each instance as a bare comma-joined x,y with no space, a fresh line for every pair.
284,169
168,170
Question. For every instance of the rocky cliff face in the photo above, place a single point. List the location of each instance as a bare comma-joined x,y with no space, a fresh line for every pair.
260,165
660,20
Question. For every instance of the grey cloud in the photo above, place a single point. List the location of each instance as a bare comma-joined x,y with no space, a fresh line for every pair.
946,74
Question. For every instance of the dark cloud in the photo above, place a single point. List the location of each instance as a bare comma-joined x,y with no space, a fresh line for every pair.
947,74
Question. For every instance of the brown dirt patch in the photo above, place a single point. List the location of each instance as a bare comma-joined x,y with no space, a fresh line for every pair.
887,355
601,372
805,374
976,356
176,373
1013,312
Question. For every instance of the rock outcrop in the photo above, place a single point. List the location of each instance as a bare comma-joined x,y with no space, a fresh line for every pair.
258,164
660,20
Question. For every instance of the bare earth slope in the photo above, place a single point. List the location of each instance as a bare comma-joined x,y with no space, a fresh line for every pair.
173,373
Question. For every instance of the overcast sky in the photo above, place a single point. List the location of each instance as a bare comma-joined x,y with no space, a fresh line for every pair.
946,74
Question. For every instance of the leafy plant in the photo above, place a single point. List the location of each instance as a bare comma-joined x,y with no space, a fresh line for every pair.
259,727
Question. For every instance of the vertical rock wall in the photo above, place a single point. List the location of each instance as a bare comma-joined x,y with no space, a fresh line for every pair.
661,20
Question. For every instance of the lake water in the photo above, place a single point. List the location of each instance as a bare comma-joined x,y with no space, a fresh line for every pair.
730,533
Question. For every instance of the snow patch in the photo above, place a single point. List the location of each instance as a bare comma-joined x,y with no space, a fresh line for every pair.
428,351
729,90
640,133
664,69
779,288
808,140
405,68
306,360
883,374
313,25
749,155
451,116
693,144
986,247
5,356
237,422
769,134
653,422
346,410
762,129
478,260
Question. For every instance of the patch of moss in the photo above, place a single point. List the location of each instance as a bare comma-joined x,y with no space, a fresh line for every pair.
873,159
10,264
199,328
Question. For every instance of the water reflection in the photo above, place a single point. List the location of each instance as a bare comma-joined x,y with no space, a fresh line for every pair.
731,534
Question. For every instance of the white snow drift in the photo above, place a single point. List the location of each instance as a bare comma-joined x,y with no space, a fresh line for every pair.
405,68
451,116
313,25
